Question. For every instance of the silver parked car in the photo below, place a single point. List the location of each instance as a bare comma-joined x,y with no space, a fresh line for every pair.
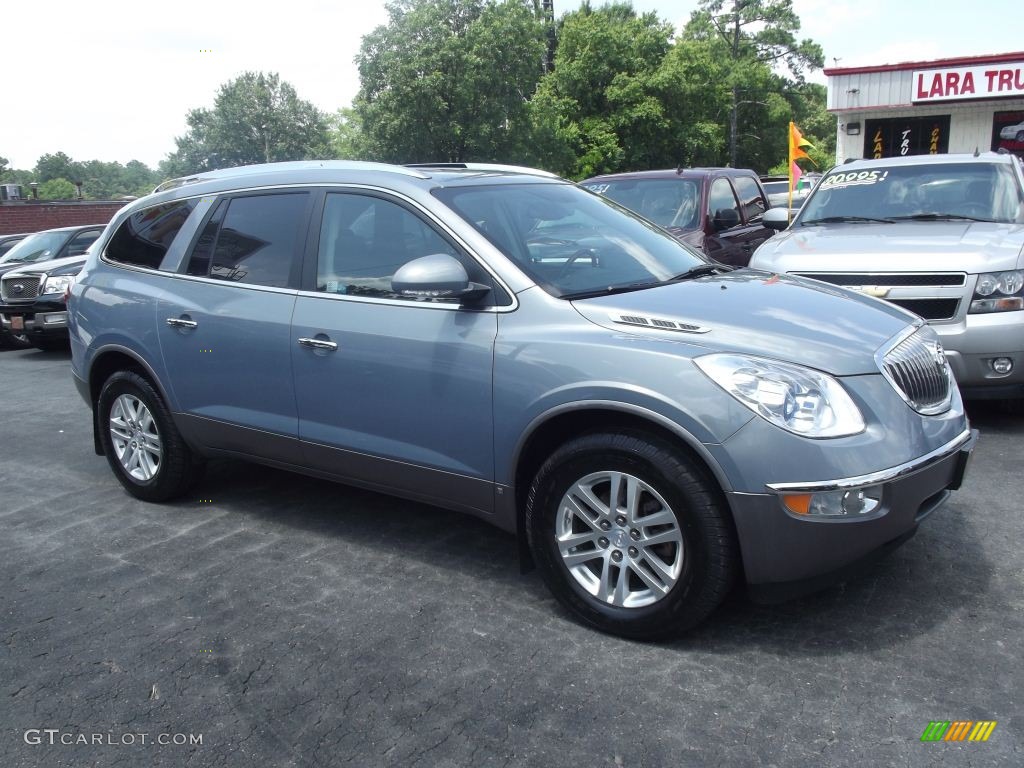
651,425
939,235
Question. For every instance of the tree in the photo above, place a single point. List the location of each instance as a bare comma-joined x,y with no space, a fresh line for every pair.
57,166
753,35
256,118
449,80
3,167
602,100
348,142
57,189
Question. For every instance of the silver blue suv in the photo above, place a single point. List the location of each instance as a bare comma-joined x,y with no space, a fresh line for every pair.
651,425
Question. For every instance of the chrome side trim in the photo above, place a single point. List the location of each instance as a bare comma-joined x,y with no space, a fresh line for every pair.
882,476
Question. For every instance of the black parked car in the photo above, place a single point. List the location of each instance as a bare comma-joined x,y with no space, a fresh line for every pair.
716,210
9,241
32,251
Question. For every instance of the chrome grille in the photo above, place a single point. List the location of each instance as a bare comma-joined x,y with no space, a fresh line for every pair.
917,368
20,287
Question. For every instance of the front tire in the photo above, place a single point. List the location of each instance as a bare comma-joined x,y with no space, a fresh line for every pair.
651,564
11,340
143,446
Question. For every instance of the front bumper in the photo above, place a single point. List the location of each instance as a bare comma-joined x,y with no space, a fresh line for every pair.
40,320
973,344
785,555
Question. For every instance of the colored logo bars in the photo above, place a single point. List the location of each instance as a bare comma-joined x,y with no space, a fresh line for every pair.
958,730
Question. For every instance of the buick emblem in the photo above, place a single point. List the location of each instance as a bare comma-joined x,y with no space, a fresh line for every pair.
18,288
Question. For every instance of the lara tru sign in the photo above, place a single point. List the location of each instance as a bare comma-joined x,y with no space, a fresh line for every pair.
982,81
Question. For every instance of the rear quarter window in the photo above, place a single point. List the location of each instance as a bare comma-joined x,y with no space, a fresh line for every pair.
143,238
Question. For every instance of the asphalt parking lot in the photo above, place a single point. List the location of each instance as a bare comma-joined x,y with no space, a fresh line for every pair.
293,622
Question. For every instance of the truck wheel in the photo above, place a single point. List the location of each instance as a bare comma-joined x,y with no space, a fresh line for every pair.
10,340
630,535
141,442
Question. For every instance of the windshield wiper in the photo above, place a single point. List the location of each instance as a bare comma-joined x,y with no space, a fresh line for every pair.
609,291
701,270
843,220
939,217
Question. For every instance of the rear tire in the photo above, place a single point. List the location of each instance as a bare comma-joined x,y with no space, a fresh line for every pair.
595,557
143,446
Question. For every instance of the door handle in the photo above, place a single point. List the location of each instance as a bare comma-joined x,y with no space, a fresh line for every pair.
180,322
329,346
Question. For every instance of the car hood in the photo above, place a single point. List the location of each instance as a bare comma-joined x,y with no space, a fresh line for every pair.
917,246
758,313
69,265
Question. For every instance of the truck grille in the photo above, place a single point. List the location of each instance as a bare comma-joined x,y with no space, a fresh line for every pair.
930,309
917,368
20,288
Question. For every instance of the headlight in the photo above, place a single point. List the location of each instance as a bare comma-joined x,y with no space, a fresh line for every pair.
800,400
57,284
998,292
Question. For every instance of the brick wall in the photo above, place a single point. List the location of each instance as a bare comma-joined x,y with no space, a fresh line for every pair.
33,217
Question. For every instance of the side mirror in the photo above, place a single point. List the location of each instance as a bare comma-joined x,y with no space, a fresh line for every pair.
438,276
776,218
726,218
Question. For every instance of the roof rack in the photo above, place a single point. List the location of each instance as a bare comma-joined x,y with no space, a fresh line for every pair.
293,165
494,167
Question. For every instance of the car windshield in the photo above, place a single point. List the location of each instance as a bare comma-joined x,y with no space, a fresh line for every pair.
666,202
37,247
570,242
972,191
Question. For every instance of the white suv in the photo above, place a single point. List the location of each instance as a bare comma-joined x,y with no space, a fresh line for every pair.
939,235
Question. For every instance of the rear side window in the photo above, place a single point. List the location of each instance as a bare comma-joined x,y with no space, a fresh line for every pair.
143,238
251,240
751,201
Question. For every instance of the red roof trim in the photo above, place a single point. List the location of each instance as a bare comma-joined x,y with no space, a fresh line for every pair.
962,61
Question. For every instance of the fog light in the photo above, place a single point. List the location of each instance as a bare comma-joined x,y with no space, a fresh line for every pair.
56,317
1002,365
853,503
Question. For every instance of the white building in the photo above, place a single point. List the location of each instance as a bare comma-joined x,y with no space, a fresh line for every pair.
929,107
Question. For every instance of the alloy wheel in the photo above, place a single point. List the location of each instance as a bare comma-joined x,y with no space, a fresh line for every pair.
619,539
135,438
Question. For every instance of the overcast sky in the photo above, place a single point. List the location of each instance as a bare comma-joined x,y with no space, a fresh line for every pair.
113,80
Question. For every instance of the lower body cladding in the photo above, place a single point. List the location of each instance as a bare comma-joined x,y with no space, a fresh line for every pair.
796,539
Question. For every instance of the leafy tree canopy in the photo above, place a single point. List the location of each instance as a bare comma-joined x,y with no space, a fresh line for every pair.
57,189
449,80
256,118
